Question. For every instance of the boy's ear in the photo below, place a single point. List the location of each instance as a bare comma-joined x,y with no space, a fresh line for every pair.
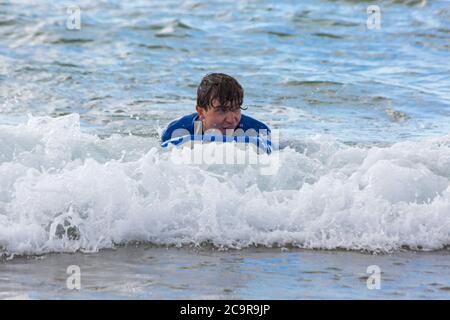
200,112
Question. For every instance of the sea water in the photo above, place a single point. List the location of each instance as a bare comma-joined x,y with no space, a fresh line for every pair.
363,164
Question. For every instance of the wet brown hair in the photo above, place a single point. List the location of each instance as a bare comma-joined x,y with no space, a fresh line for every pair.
219,86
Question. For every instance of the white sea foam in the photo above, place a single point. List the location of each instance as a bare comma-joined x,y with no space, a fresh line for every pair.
65,190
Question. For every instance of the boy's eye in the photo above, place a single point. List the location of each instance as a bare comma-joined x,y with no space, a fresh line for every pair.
222,109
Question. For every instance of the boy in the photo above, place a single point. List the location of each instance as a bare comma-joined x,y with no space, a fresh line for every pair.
219,104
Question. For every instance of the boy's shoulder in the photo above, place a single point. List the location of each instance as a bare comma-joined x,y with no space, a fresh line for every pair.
185,122
248,122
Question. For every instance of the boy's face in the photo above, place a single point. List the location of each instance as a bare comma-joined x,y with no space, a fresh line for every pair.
220,117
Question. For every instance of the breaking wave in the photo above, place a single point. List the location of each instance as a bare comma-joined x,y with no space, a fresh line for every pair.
64,190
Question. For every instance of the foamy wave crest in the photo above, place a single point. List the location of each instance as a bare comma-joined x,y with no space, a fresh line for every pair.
63,190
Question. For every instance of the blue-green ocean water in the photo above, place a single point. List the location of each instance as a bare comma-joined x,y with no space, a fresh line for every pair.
306,66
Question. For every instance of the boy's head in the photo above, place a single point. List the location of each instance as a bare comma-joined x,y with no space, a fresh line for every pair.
219,101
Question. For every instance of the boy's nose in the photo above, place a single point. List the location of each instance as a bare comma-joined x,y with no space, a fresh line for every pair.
230,118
